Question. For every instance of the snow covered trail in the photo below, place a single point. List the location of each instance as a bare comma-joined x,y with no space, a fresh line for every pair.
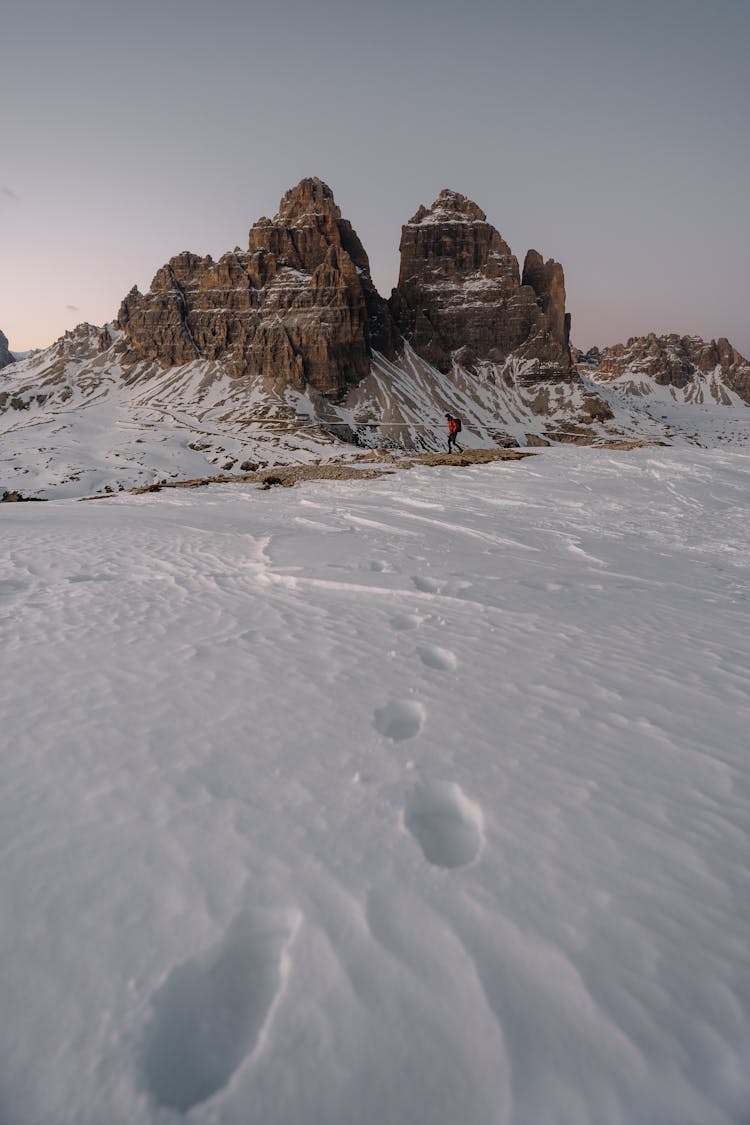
423,799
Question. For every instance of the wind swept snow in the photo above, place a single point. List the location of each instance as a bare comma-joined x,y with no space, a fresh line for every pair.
422,799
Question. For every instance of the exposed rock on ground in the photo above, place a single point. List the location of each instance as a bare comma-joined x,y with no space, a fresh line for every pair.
361,468
11,496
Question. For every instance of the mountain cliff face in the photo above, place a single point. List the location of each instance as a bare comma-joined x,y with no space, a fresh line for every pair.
461,298
297,308
286,352
5,356
696,368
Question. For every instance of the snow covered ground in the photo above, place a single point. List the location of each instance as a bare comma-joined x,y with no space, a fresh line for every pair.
77,419
706,412
416,800
81,424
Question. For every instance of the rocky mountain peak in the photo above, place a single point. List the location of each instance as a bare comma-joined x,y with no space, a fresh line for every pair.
681,362
460,296
307,223
450,207
5,356
297,309
310,199
548,282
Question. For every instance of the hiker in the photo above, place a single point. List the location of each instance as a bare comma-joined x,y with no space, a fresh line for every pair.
454,429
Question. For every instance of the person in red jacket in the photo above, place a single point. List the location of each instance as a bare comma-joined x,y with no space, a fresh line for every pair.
454,427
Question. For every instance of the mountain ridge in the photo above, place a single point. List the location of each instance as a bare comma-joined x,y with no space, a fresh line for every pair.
676,361
286,352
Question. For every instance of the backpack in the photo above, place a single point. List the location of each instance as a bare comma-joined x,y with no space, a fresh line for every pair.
458,425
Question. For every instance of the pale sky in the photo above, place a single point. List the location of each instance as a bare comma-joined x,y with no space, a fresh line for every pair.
614,137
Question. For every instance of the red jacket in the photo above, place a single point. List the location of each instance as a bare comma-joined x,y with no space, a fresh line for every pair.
452,426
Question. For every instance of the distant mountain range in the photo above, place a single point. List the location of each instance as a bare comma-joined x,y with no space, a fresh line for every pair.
286,351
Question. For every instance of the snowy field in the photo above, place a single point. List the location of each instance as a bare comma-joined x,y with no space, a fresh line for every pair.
416,801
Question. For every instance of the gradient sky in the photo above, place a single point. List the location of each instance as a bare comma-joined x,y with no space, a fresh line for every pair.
614,137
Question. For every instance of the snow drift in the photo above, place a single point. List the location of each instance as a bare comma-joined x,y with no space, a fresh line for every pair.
417,799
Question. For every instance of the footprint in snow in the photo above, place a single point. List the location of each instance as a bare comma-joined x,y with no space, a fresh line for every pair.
548,587
406,621
425,585
442,659
400,719
10,587
447,825
210,1012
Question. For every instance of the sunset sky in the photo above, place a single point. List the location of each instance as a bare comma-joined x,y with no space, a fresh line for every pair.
614,137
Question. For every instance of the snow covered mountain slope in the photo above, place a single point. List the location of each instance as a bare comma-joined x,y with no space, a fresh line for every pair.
403,402
705,413
697,390
76,420
423,799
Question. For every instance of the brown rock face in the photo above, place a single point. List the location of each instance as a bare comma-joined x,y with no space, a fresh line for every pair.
548,282
460,294
677,360
5,356
297,308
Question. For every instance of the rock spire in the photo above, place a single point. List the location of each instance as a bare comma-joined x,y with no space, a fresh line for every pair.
298,307
460,296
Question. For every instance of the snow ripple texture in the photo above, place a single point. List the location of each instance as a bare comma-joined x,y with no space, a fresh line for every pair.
423,799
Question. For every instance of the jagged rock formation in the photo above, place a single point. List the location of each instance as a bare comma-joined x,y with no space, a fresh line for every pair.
688,363
297,308
548,282
460,296
591,358
5,356
297,313
286,352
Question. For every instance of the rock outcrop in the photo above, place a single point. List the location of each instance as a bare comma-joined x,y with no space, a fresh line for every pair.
548,282
461,298
298,311
682,362
5,356
297,308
